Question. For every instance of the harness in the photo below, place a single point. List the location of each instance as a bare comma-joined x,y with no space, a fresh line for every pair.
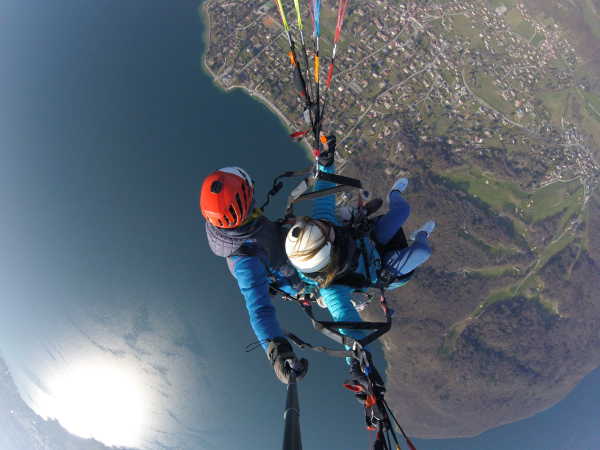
378,414
349,275
360,228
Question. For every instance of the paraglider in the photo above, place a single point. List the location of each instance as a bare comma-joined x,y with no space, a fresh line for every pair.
319,259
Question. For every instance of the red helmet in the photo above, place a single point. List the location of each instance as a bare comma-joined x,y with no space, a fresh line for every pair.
226,197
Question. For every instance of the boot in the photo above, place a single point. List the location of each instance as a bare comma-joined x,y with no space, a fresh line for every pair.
358,382
427,228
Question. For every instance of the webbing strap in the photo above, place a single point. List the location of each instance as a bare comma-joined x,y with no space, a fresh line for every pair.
353,325
299,193
339,179
320,348
321,193
331,329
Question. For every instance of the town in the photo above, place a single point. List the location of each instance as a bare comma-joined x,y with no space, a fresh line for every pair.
465,78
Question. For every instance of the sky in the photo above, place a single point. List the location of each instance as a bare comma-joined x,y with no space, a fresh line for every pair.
107,128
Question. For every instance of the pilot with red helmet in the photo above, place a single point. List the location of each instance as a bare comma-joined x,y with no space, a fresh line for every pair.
254,249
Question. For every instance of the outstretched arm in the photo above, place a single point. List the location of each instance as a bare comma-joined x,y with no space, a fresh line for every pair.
251,276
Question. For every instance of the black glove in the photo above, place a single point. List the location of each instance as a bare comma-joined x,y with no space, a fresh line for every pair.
284,360
326,158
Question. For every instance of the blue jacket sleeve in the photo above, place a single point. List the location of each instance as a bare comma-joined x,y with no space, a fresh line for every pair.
251,276
337,298
324,207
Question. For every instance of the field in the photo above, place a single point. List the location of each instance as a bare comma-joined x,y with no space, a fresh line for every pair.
553,199
520,26
507,197
500,195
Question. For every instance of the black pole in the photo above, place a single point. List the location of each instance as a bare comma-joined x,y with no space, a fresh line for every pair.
291,416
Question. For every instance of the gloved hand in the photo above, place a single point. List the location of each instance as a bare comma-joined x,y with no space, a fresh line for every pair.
284,360
327,156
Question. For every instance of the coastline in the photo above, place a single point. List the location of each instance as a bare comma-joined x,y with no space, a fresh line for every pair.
205,16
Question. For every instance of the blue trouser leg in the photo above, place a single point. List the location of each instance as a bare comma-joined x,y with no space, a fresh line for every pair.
389,224
403,261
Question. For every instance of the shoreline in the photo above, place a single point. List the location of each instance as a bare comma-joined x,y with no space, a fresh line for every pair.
205,16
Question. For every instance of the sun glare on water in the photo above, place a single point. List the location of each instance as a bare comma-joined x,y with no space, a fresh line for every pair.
98,400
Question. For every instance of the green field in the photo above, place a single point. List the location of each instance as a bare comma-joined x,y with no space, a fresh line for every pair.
524,208
557,104
508,3
537,40
545,202
556,247
515,20
488,91
498,194
494,250
530,287
464,26
592,103
592,17
553,199
495,271
574,209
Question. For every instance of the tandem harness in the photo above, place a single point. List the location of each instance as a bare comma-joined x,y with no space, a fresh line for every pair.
378,415
359,228
332,329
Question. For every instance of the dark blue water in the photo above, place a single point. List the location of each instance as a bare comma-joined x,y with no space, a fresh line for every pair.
572,424
108,126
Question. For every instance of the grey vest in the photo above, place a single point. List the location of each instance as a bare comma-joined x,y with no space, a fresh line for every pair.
261,238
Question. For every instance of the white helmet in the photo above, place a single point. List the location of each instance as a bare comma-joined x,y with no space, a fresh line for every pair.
308,245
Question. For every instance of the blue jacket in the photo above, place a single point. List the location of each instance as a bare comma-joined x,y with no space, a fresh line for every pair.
252,277
255,257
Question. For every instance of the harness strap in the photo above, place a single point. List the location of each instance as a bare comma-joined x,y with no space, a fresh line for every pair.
339,179
278,184
299,192
332,329
320,348
321,193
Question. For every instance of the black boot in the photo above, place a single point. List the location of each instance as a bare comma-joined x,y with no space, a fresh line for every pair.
355,370
358,382
369,393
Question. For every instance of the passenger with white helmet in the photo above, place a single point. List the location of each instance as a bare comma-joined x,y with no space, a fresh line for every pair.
332,258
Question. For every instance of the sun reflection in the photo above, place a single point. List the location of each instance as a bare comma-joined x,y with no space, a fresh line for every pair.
98,399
